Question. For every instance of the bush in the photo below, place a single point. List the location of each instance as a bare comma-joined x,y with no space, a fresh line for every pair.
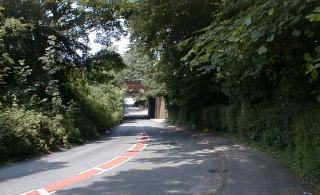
100,106
24,132
307,142
269,124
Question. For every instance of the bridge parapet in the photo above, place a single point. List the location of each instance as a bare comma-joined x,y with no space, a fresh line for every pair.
135,88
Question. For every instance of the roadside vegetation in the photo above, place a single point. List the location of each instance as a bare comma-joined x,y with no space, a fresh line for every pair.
53,91
248,68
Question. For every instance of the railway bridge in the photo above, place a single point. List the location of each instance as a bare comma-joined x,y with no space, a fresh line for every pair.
156,105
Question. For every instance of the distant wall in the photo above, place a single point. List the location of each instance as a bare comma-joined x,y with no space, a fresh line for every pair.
157,108
152,107
135,86
160,110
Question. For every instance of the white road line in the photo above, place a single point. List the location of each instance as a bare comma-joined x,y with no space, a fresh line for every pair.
114,166
43,191
27,192
99,169
85,171
122,156
98,166
134,145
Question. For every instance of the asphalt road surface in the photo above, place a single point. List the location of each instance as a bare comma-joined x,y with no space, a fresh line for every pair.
143,156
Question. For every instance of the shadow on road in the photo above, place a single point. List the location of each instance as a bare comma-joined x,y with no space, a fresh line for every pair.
173,162
44,163
28,168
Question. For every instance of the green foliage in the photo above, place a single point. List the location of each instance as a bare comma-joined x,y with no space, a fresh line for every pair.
101,106
306,153
24,132
246,68
27,132
257,48
52,91
315,16
158,25
140,67
137,66
103,65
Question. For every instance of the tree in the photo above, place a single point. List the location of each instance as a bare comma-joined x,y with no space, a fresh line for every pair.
52,91
43,41
157,27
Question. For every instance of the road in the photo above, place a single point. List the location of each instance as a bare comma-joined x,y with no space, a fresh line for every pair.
144,156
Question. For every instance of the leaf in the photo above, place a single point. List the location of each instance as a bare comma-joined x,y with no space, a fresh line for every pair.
270,38
204,58
316,66
314,75
309,68
248,21
308,57
308,33
256,35
262,50
271,11
313,17
296,33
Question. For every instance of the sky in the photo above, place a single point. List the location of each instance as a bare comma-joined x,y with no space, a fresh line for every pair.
122,44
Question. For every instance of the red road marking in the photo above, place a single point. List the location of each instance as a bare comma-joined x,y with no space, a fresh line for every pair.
138,146
118,160
131,154
71,180
134,151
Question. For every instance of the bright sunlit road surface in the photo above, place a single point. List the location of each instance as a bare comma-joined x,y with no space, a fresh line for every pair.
143,156
129,101
135,113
